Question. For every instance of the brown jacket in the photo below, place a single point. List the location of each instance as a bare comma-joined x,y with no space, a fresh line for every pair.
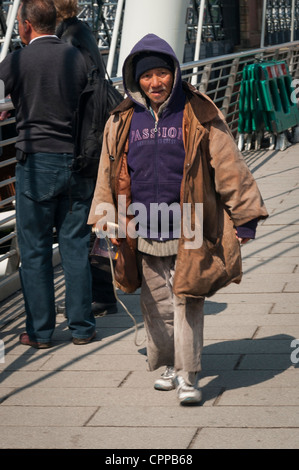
215,174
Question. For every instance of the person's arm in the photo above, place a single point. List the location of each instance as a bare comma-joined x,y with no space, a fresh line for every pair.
7,73
233,180
246,231
103,193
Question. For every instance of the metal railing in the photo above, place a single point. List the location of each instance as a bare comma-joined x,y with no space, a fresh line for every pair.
218,77
99,15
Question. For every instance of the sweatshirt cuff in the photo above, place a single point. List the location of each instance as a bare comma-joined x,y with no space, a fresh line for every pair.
247,230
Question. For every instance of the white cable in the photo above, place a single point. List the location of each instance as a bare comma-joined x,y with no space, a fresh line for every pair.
117,298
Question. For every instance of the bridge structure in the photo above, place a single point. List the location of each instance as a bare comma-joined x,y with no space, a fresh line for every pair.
220,77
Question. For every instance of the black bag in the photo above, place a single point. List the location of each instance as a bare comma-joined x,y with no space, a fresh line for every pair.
96,101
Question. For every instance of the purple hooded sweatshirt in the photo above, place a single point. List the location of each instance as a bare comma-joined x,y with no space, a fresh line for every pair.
156,150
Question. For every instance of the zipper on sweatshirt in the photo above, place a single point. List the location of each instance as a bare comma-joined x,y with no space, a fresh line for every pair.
155,119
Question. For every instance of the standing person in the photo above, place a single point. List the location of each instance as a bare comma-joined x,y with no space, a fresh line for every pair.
45,79
78,33
168,144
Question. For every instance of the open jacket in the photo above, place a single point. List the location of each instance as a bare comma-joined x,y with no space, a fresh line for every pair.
215,174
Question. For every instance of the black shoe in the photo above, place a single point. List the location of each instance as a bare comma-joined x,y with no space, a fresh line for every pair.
100,309
79,341
24,339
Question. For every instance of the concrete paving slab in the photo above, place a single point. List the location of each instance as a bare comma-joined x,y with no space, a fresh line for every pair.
64,379
270,265
254,396
28,362
119,321
271,250
215,416
219,361
14,348
101,396
277,331
240,438
102,437
273,319
95,362
224,379
292,285
247,346
45,415
289,299
265,362
225,333
220,309
288,306
259,283
5,393
238,379
56,396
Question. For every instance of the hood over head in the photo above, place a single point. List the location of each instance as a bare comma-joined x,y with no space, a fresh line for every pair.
140,59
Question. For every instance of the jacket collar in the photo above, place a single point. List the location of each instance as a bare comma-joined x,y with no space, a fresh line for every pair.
43,37
203,107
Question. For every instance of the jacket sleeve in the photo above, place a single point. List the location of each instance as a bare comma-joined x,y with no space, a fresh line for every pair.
102,197
7,73
233,180
247,230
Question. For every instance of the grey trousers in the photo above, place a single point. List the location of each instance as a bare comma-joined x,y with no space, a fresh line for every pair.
174,326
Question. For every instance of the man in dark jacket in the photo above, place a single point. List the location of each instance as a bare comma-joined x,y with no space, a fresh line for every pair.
78,33
45,79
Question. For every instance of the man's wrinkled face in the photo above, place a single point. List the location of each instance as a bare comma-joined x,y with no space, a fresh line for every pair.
157,85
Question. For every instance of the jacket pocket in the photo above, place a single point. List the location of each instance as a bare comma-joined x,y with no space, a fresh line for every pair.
201,273
212,271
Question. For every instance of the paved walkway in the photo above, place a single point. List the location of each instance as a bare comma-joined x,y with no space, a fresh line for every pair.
100,395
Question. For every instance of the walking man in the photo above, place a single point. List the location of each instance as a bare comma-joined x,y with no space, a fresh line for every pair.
169,145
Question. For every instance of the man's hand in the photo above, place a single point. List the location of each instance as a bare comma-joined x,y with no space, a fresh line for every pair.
116,241
97,228
242,241
4,115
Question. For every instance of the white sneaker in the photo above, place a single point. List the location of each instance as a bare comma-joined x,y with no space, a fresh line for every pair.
166,380
187,394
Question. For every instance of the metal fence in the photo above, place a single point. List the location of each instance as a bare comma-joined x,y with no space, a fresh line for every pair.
219,77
